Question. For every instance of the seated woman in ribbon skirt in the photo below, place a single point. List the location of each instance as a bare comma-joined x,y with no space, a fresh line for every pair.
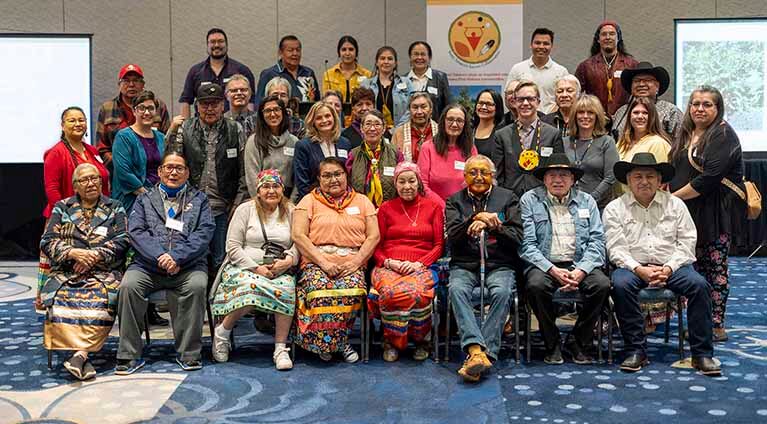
336,231
86,240
411,227
257,272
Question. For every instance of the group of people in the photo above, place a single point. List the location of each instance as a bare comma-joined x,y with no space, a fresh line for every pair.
248,206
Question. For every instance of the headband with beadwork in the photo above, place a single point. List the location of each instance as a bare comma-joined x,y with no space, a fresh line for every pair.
268,176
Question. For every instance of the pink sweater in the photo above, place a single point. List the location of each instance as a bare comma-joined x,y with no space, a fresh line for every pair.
440,174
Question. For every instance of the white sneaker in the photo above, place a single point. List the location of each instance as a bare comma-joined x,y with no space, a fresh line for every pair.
281,358
221,348
350,355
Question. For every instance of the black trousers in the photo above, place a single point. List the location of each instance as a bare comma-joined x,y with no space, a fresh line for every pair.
594,288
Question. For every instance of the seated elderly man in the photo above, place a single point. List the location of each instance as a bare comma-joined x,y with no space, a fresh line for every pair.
86,241
494,210
564,246
651,240
170,227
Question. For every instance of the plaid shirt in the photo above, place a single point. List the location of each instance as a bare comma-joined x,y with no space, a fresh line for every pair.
115,115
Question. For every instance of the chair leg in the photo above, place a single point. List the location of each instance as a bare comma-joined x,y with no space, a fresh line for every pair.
146,326
610,331
447,328
681,327
435,327
516,328
527,332
599,339
668,322
50,360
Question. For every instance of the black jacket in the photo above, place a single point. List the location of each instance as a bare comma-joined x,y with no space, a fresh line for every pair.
506,157
502,245
443,97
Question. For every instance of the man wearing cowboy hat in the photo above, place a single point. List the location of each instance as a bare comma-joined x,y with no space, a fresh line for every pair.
648,81
651,241
564,248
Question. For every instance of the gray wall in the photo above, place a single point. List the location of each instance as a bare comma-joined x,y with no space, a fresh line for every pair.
167,36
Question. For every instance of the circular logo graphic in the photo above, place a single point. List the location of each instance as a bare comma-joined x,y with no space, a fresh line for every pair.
474,37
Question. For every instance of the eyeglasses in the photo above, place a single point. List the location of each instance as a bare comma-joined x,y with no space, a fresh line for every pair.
238,90
522,100
331,176
142,109
95,179
372,125
129,81
272,111
216,42
456,121
478,172
704,105
208,105
272,186
486,105
640,80
170,168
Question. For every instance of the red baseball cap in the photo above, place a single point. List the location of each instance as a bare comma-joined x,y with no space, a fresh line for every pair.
130,68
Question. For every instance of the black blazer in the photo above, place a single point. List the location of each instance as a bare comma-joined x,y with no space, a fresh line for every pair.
443,97
506,157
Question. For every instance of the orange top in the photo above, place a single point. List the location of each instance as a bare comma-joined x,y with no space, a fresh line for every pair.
343,229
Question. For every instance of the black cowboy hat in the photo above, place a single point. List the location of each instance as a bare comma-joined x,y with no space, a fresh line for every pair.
643,160
658,72
558,161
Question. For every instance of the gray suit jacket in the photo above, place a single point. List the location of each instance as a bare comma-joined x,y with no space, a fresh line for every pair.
506,157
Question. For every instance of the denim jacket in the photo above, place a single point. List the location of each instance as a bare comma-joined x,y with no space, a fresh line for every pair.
403,88
589,232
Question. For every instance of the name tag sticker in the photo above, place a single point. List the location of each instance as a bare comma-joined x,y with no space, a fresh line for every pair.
226,80
231,153
459,165
288,151
583,213
100,231
98,158
353,210
617,74
361,78
343,153
546,151
174,224
401,86
205,83
388,171
432,90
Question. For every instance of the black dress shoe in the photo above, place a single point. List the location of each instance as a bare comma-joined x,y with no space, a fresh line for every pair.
634,362
154,317
576,353
706,366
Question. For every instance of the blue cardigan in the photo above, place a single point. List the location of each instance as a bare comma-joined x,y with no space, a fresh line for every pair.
129,161
306,162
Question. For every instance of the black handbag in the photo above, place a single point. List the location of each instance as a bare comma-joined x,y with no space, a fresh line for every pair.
270,248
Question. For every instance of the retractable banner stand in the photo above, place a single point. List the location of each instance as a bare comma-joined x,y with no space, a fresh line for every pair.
474,42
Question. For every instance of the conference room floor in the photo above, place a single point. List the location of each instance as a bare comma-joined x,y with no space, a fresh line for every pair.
249,389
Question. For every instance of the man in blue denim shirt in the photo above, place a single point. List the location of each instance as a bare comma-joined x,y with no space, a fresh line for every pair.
564,246
303,82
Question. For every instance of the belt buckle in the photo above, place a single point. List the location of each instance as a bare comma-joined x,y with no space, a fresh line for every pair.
343,251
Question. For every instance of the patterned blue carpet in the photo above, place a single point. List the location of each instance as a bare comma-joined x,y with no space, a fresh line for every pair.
248,389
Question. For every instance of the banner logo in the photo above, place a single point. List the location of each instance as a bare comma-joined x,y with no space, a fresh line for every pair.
474,38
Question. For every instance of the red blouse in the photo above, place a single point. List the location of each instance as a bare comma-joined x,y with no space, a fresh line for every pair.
59,165
402,241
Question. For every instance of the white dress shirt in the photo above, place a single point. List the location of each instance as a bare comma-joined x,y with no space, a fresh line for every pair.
663,233
419,83
544,77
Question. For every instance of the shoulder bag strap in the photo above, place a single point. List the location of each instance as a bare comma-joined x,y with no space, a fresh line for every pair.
725,181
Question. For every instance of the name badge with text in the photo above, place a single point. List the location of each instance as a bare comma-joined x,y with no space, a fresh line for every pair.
353,210
617,74
174,224
343,153
401,86
583,213
459,165
432,90
288,151
388,171
100,231
231,153
546,151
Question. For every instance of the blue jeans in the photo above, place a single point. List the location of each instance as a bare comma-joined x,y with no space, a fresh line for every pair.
218,243
686,282
500,283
